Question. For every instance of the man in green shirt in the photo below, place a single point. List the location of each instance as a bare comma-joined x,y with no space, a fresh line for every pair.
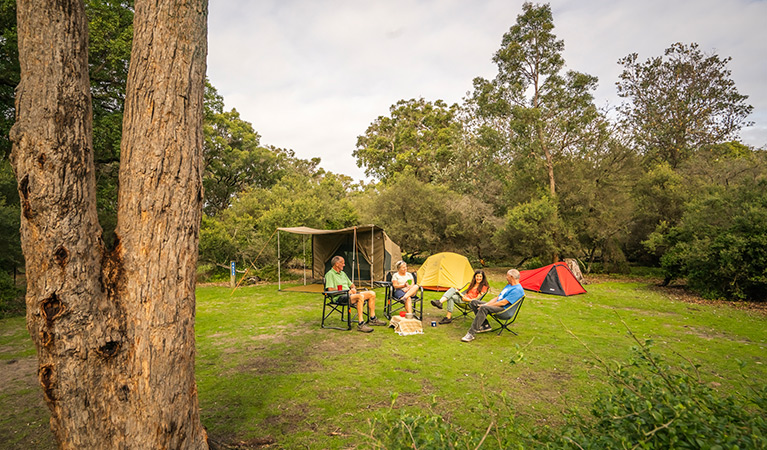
337,277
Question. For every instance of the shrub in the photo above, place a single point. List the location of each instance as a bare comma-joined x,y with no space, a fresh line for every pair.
720,245
651,405
648,404
11,299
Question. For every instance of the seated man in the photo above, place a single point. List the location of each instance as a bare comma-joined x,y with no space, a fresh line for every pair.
508,296
337,277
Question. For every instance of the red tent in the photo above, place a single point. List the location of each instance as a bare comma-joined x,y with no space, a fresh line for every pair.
555,279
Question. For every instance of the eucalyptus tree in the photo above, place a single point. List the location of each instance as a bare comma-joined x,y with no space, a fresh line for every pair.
534,113
233,155
113,329
419,137
532,108
680,102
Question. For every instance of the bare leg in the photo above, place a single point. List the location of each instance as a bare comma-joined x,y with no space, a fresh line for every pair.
408,302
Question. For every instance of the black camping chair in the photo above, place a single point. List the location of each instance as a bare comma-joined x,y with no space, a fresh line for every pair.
393,305
507,317
338,302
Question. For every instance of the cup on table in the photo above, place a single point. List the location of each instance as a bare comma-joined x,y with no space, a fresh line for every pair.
409,315
402,313
340,287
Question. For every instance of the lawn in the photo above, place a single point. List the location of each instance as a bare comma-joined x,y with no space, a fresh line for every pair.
268,375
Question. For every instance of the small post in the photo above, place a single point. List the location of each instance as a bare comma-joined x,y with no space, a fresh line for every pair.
232,276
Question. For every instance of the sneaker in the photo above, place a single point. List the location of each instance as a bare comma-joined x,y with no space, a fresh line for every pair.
446,320
376,323
485,328
468,338
364,328
437,304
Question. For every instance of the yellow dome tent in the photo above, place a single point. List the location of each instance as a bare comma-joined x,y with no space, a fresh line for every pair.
445,270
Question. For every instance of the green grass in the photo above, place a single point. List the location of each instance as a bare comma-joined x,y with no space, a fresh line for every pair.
265,369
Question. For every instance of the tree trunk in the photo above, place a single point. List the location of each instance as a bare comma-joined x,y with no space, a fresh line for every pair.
114,331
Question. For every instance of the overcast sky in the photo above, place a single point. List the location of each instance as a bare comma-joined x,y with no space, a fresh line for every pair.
311,75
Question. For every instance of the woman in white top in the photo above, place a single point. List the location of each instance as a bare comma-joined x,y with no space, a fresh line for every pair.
403,284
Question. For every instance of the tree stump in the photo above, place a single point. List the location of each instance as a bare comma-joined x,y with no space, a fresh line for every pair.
572,264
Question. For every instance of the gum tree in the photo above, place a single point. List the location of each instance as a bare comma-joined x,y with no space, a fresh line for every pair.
113,328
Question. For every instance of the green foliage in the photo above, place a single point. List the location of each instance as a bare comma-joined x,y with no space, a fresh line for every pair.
420,137
234,158
720,244
428,218
9,72
427,430
680,103
648,405
652,405
245,232
531,229
11,299
11,257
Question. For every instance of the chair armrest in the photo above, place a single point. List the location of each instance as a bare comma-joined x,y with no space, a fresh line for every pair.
335,292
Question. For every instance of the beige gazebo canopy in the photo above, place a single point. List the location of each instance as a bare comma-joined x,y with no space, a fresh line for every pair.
367,249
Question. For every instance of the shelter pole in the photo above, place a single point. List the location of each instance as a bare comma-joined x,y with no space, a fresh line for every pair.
354,253
303,240
279,278
372,254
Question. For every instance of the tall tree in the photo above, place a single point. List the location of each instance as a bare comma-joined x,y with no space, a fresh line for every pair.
680,102
114,330
533,111
420,137
234,158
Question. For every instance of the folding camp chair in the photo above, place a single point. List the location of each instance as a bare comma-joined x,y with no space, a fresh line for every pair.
393,305
464,308
337,302
507,317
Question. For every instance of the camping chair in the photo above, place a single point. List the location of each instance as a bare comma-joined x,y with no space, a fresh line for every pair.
336,302
464,308
507,316
394,305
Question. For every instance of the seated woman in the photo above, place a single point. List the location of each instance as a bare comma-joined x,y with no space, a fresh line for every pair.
403,284
476,289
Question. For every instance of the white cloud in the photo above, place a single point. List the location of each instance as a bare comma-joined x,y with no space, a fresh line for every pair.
312,75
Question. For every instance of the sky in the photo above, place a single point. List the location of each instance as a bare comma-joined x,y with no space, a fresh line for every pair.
312,75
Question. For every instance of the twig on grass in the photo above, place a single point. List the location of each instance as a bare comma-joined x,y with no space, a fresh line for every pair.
486,433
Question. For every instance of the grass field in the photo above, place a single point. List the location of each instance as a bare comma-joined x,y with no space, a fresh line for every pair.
269,376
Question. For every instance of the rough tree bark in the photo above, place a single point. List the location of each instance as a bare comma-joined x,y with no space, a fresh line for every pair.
114,330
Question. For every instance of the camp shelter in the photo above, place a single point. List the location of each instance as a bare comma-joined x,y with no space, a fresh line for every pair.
444,270
368,251
555,279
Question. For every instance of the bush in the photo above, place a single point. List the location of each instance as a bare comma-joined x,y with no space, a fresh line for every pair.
648,405
720,245
11,298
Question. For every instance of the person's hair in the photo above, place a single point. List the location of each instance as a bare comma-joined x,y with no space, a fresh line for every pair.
482,284
335,260
513,273
399,263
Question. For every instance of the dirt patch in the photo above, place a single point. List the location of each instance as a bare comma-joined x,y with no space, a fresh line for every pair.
682,294
17,371
711,334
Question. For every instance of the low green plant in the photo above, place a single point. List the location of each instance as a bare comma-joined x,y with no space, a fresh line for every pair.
648,404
